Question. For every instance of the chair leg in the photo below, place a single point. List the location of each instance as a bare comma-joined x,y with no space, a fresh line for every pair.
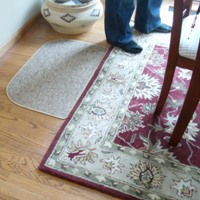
188,109
168,78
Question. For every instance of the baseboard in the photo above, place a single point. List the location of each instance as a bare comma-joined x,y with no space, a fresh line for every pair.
18,34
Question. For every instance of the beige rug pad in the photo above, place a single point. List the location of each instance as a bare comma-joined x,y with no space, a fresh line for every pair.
55,77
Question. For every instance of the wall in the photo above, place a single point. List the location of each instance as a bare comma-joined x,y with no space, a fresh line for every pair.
14,14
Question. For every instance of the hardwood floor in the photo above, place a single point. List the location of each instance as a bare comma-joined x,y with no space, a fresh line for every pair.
26,135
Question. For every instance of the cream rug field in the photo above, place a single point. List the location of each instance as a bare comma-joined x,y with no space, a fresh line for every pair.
55,77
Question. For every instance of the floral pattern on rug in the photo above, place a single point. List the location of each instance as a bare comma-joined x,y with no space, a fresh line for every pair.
138,129
111,142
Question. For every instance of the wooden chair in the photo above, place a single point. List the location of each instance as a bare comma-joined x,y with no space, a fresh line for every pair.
184,52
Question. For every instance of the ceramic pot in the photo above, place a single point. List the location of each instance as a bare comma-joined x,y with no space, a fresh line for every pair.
72,19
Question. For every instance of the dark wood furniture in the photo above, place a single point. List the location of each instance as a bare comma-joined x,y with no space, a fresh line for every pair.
181,12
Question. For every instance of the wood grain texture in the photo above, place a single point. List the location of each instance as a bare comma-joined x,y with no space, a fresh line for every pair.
25,135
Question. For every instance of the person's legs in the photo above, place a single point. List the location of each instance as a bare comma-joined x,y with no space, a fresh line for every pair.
118,14
147,18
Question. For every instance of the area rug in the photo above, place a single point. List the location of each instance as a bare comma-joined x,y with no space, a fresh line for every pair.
112,143
55,77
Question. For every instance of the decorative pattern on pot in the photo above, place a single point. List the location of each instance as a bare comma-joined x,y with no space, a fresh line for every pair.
72,16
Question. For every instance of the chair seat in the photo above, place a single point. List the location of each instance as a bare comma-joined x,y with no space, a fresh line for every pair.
190,37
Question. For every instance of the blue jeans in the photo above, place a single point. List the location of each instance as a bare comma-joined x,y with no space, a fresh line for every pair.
118,14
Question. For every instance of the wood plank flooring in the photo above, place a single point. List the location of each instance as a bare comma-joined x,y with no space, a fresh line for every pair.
26,135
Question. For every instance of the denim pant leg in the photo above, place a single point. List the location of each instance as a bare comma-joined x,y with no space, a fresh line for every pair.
118,14
147,15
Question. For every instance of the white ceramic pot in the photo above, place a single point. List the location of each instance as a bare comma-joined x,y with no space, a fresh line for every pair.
72,19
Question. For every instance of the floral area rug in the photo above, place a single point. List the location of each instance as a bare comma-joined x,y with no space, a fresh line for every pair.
111,141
